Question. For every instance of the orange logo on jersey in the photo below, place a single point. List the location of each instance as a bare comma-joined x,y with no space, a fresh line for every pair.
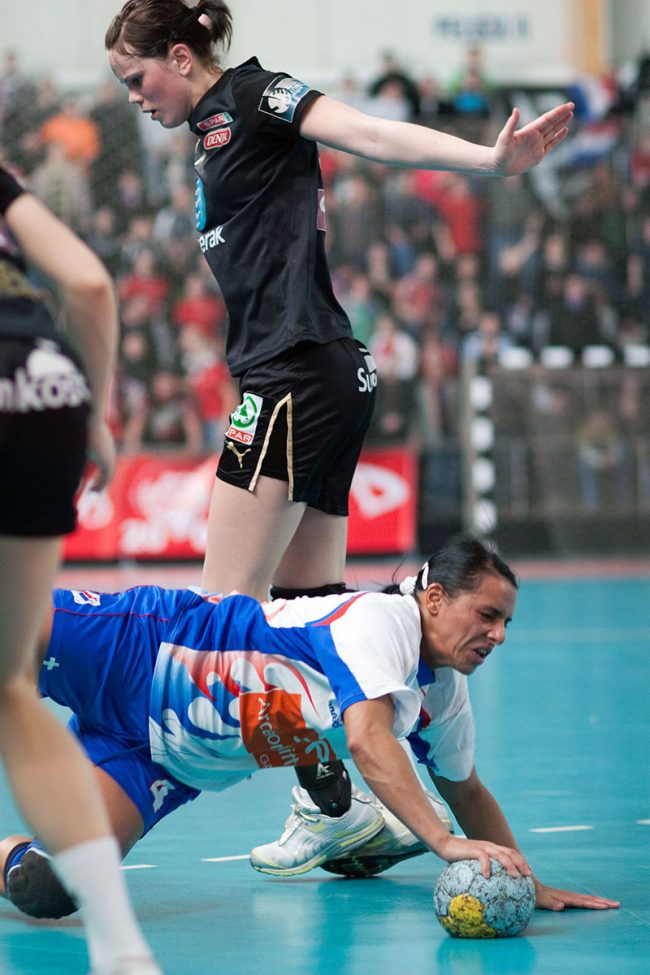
274,731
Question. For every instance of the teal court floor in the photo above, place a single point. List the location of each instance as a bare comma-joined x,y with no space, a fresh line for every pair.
563,717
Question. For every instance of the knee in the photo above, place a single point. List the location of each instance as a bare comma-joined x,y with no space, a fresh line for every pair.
15,689
32,885
17,698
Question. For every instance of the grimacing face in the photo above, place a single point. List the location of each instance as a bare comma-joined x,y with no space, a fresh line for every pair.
462,631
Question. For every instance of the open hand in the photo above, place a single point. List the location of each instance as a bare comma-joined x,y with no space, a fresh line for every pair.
517,150
553,899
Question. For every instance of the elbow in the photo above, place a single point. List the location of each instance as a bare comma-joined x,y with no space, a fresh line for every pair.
93,286
358,740
86,281
355,744
361,752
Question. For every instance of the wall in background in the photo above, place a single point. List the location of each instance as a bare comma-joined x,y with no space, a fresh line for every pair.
522,40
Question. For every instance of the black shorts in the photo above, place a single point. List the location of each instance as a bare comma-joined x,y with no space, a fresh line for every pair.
44,407
303,419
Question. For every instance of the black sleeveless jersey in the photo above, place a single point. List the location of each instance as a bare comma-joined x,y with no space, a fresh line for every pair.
21,312
260,214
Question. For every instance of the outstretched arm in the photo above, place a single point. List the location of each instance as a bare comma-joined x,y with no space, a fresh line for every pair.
419,147
479,816
388,772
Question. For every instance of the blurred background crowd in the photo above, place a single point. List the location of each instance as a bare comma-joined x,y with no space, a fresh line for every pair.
435,270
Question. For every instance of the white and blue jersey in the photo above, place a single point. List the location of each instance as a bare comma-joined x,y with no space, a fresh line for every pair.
203,690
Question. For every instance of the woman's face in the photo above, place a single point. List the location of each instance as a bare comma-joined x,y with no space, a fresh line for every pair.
160,86
461,632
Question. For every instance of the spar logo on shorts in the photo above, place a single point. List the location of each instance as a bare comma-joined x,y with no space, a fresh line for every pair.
282,98
243,422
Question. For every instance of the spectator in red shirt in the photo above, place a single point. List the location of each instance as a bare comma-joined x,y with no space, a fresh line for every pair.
200,307
145,281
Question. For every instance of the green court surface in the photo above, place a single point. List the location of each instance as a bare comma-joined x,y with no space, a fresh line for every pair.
563,716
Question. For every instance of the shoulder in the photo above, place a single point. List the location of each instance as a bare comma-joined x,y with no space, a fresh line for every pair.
278,96
380,623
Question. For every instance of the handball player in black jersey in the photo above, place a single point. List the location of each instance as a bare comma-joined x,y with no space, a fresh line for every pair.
53,395
278,515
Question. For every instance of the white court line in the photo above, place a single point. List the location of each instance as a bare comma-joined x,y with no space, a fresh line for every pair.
559,829
242,856
139,866
643,822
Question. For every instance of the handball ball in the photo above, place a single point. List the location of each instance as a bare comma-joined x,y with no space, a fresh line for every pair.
469,905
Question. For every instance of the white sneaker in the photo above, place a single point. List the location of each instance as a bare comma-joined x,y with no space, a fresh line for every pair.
310,837
393,844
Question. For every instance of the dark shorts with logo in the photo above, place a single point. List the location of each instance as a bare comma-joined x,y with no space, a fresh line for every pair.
44,405
302,419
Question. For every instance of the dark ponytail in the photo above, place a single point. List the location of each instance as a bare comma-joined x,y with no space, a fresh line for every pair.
148,28
458,566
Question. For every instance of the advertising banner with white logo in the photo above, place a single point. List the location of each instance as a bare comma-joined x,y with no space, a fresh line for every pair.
157,509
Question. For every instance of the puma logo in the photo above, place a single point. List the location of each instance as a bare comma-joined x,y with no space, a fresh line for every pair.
239,454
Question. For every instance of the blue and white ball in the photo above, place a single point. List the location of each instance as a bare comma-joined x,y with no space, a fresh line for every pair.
469,905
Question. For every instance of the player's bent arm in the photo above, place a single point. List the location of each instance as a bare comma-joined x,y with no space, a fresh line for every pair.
389,774
406,144
388,771
475,809
89,304
480,816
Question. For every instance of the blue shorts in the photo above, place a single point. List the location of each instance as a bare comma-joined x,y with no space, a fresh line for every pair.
91,659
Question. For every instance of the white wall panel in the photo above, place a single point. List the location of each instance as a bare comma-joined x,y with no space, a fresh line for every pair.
324,39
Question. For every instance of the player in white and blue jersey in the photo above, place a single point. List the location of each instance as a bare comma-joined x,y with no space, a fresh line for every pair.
176,691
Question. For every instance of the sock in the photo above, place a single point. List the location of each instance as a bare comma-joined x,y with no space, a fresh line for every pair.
328,785
91,872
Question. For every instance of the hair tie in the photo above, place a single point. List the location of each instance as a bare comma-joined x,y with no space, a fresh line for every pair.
205,21
407,585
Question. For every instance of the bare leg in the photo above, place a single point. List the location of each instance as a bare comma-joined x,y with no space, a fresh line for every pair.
43,759
316,554
255,538
248,533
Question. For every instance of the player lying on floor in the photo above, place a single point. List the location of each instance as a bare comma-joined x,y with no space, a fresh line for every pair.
174,692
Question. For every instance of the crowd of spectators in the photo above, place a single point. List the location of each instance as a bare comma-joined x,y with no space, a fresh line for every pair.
434,269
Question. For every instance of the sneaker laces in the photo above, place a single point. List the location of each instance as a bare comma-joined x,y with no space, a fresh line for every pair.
300,812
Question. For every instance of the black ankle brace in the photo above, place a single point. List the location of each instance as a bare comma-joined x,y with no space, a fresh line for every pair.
331,589
328,785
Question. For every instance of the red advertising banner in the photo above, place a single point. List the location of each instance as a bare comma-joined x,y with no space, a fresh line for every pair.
157,508
383,502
